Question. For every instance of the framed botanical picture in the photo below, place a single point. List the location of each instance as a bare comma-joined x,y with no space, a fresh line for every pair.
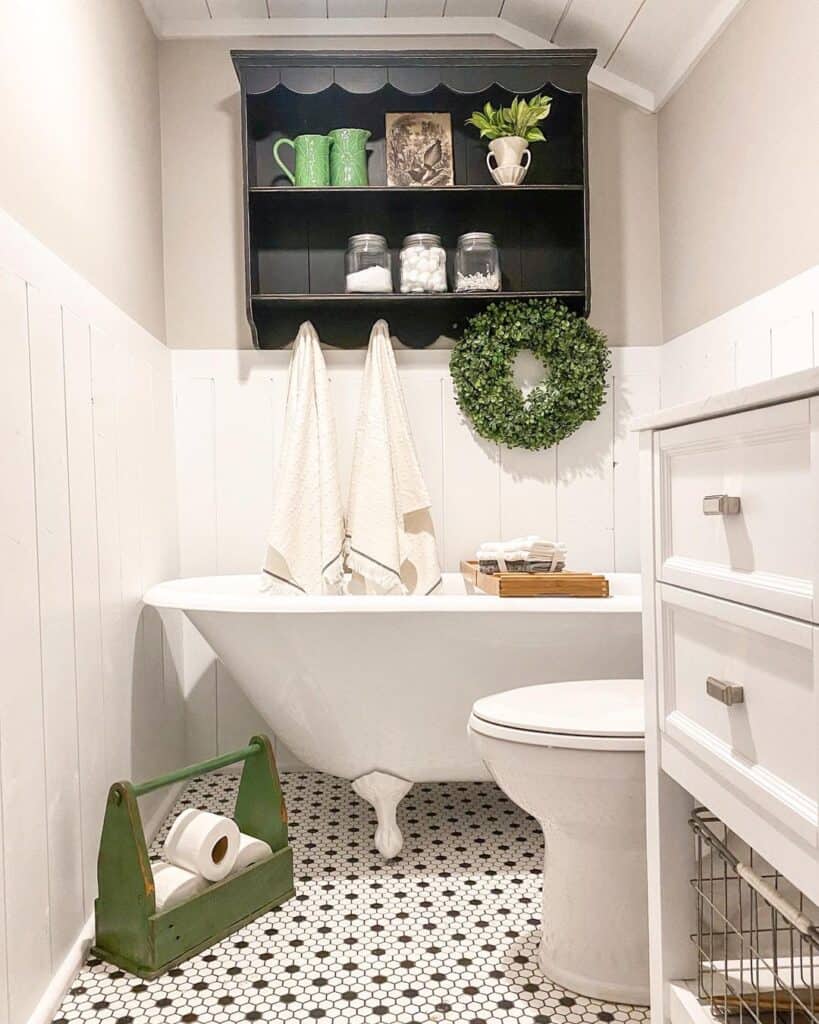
419,149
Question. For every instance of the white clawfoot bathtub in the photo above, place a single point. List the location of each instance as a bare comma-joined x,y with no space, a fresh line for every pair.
379,689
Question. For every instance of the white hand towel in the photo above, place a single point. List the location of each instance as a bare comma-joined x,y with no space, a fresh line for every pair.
390,538
306,540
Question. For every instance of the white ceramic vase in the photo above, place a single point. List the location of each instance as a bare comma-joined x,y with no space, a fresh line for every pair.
512,158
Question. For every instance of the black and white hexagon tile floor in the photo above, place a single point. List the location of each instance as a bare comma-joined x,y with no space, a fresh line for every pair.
447,931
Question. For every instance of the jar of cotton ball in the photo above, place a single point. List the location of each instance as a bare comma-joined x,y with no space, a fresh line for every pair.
367,264
423,264
477,266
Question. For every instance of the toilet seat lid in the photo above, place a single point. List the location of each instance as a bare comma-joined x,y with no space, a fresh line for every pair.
601,708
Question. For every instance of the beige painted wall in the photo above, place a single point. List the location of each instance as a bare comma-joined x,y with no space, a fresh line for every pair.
624,225
739,151
201,172
79,123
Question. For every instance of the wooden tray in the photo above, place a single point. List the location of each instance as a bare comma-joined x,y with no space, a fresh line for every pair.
536,584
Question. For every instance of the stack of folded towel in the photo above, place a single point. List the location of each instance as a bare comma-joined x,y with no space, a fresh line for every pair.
523,554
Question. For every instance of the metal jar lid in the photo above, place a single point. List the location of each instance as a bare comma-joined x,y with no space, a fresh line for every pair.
422,238
482,237
366,239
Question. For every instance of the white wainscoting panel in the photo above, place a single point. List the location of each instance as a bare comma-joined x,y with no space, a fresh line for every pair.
56,619
88,515
22,729
769,336
229,414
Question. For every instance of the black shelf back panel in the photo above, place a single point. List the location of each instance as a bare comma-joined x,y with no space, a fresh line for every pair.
285,113
295,240
298,246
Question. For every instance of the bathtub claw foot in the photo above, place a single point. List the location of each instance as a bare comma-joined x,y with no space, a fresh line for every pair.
385,792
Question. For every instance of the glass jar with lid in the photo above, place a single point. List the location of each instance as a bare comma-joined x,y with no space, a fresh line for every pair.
423,264
367,264
477,265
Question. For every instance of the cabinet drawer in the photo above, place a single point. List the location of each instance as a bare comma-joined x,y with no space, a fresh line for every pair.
765,744
762,552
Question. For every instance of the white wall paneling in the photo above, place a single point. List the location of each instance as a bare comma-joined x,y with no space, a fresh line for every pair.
585,492
229,413
540,17
22,770
356,8
92,740
56,619
770,335
473,8
237,8
792,344
415,8
196,496
602,26
88,521
471,509
637,392
752,356
241,470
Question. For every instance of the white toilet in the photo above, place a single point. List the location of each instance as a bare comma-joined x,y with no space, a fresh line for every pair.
571,754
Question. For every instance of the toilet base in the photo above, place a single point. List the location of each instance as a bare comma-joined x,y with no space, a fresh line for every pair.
592,987
591,807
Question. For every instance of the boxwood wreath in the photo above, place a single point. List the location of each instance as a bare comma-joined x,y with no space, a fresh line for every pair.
574,354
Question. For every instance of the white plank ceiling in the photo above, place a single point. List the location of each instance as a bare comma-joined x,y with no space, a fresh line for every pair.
645,47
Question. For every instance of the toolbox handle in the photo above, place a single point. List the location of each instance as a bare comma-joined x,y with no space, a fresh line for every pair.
202,768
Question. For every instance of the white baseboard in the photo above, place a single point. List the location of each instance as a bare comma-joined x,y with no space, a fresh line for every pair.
63,977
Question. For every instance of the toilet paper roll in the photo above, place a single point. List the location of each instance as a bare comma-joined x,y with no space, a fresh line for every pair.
204,843
174,885
251,851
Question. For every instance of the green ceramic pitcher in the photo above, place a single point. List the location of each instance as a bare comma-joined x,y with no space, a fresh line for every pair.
348,157
312,166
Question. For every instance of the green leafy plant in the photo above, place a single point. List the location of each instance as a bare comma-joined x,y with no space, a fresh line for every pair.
520,119
576,358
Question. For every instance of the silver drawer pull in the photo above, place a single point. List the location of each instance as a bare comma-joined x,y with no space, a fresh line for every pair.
720,505
725,693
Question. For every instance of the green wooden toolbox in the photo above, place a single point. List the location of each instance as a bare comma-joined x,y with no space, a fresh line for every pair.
129,931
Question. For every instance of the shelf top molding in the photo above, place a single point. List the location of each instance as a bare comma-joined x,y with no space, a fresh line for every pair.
402,190
413,71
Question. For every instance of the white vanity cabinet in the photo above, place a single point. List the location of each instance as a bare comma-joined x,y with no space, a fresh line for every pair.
730,527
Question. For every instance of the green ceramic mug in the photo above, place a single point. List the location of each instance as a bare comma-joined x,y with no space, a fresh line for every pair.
312,160
348,157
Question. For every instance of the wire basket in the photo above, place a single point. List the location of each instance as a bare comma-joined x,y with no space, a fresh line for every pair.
757,943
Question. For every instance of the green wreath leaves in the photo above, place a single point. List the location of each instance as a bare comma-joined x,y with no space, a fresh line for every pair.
574,353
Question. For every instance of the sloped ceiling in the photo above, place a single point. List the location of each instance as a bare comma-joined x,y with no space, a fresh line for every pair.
645,48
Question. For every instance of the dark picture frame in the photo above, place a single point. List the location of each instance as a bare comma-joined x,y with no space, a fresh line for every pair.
419,149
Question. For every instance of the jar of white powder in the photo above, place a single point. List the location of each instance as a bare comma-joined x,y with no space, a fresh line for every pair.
367,264
423,264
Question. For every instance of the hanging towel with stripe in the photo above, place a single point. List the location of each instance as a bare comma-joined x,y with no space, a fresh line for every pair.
306,540
390,537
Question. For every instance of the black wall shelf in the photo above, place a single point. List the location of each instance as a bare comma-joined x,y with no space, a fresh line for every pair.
295,238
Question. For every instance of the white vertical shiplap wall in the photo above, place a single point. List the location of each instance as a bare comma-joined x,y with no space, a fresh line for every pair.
771,335
229,408
89,692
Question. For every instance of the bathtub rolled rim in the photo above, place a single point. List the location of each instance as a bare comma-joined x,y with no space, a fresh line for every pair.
209,594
